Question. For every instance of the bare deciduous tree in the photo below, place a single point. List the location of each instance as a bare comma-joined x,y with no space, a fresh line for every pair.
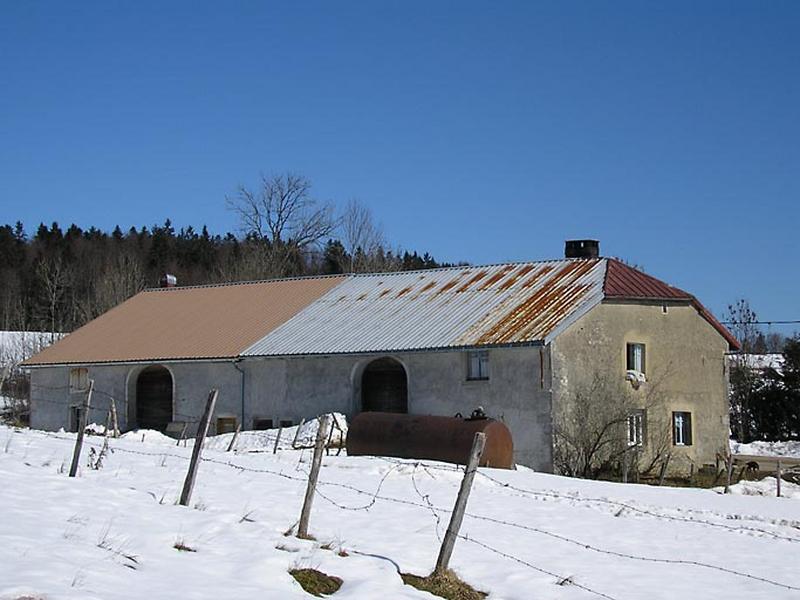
283,222
744,380
363,238
283,212
54,278
591,426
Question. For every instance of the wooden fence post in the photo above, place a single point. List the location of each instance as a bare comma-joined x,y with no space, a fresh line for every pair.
202,431
235,437
114,422
449,541
297,433
778,477
84,415
183,434
278,440
322,434
728,472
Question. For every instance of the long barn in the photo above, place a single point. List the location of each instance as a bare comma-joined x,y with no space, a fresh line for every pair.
517,339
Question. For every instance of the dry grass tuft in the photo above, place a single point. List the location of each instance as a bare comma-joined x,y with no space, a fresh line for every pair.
445,585
316,582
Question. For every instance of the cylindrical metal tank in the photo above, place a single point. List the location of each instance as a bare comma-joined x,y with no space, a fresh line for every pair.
448,439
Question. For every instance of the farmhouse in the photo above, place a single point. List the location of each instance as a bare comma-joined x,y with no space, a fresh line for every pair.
525,341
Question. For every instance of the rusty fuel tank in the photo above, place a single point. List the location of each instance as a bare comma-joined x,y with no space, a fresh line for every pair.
448,439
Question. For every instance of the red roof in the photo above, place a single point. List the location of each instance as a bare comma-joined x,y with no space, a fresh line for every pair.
626,283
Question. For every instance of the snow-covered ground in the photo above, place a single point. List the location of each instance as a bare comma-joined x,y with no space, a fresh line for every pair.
791,449
110,533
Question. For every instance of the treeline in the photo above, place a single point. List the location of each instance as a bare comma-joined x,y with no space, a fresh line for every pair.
765,399
57,280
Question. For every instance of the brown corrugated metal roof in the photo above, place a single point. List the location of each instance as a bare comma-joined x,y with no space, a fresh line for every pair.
623,281
626,283
218,321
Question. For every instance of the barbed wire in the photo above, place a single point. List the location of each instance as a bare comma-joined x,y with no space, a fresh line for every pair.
376,495
644,511
561,579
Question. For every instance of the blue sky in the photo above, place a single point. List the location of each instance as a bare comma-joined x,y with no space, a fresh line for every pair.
477,131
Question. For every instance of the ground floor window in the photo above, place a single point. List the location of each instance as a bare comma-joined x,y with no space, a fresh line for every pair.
260,424
636,424
682,428
226,425
287,423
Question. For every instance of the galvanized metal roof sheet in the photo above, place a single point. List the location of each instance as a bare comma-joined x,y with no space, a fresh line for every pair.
455,307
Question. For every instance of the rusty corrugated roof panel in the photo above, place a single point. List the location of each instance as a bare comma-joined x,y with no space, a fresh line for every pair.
454,307
217,321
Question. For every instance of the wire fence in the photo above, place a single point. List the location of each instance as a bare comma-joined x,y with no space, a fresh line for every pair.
376,496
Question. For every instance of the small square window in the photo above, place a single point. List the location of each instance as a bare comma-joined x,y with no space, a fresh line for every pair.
682,428
636,427
226,425
636,357
78,380
262,424
478,365
286,423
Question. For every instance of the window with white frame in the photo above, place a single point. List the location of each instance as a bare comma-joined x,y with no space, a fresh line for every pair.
636,357
636,427
682,428
78,380
478,365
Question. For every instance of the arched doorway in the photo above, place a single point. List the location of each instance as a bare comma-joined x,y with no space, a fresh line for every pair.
154,398
384,387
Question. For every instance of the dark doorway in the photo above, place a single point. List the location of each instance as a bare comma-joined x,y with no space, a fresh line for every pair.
384,387
154,398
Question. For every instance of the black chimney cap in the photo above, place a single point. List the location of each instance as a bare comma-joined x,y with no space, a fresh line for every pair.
582,249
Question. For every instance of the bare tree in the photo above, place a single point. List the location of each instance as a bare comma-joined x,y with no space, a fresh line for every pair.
282,211
744,379
122,277
363,238
283,222
591,426
54,278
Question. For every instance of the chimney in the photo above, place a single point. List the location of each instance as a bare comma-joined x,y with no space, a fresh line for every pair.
168,281
582,249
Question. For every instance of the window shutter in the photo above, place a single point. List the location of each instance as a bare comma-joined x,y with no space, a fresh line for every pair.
687,420
642,350
630,357
674,430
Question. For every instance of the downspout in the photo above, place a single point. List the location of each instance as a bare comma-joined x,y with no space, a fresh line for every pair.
235,364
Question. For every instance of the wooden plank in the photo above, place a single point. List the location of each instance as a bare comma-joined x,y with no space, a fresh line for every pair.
202,431
449,541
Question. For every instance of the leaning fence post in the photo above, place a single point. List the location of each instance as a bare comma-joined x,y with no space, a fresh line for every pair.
277,440
235,436
778,477
114,422
297,433
202,430
84,414
728,472
322,434
446,551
